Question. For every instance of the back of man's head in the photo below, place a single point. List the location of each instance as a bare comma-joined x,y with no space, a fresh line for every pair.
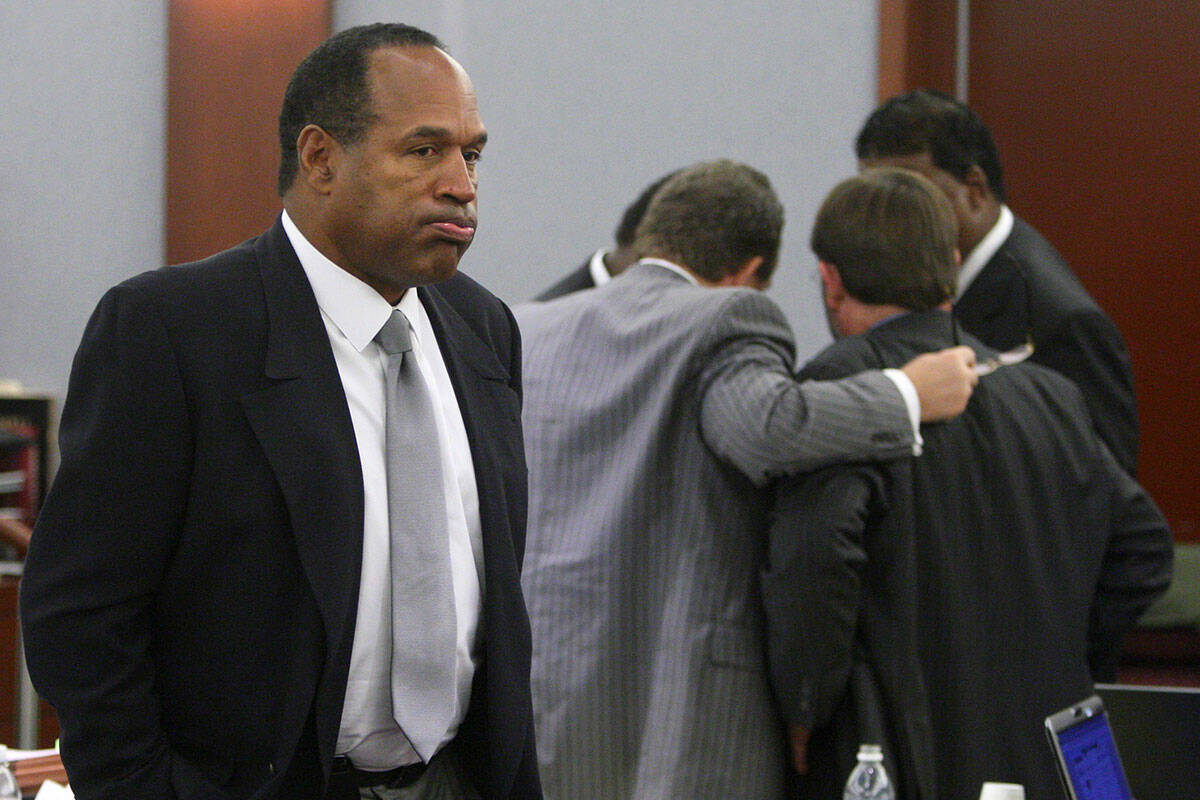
330,88
891,234
926,121
627,227
712,218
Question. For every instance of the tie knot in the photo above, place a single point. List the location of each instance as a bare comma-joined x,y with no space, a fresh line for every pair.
394,337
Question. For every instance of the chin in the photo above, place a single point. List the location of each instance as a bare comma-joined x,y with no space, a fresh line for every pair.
440,266
442,272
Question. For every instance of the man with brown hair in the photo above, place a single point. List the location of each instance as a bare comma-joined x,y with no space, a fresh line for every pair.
657,408
943,605
1013,286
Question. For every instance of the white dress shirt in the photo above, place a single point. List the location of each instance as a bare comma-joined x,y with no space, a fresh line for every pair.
598,269
353,313
977,259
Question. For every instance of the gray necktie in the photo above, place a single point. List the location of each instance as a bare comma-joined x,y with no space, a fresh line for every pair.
424,622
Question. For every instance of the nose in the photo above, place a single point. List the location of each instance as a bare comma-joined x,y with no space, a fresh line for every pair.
458,179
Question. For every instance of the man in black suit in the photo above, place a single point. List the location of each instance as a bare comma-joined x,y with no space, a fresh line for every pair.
604,265
943,605
1013,284
206,600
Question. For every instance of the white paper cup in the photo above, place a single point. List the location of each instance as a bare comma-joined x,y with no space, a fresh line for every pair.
1002,791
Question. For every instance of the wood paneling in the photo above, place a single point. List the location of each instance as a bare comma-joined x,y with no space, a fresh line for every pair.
916,46
1095,109
228,64
9,727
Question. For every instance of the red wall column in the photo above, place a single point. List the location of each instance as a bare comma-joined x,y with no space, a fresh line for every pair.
228,62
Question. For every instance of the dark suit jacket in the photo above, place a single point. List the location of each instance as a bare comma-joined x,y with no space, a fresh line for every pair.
970,591
190,594
575,281
1071,334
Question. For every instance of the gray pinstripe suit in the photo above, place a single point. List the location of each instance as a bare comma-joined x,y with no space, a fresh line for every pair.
654,412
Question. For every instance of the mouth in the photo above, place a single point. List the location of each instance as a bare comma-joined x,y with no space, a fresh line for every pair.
456,230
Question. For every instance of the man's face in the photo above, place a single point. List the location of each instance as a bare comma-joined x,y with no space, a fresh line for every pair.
401,206
954,189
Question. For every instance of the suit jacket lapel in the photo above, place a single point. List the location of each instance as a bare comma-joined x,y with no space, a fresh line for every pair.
987,295
303,423
471,365
491,415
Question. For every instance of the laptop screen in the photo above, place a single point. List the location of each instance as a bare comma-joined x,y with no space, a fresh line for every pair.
1087,753
1091,759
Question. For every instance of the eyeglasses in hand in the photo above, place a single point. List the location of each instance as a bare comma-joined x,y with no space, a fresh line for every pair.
1018,353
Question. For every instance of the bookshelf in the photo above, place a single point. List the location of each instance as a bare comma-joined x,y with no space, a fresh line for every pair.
24,445
25,421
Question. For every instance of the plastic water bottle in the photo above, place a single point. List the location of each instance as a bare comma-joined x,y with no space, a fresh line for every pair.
9,790
869,780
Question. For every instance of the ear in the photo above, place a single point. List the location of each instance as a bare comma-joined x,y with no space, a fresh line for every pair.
831,280
317,153
979,192
745,275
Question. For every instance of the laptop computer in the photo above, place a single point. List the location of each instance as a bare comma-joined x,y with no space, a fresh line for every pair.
1159,731
1086,752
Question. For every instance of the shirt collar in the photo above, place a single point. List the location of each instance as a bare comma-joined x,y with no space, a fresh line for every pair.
672,267
357,310
983,252
598,269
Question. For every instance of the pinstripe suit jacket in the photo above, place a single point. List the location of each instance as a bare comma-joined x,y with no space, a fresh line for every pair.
655,410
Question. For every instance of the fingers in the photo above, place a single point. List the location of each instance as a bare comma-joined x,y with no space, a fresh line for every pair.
944,381
798,737
967,356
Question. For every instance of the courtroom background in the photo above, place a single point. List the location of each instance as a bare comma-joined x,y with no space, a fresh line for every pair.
106,173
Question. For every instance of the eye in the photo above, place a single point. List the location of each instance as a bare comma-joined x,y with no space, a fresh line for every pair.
472,156
424,151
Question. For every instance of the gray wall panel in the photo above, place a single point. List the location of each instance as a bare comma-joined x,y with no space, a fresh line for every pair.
586,102
83,129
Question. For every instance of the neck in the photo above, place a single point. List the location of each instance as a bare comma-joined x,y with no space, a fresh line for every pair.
973,234
854,318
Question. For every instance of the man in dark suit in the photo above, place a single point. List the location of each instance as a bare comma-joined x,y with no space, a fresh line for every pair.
657,409
1013,284
604,265
207,600
944,605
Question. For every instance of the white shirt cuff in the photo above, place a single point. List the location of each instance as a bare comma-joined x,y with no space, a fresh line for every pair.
911,402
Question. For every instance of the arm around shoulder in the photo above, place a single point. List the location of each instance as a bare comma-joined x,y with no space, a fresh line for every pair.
1087,348
755,414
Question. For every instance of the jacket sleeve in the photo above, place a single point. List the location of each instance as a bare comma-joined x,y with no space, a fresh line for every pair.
1135,571
99,553
758,417
812,586
1087,348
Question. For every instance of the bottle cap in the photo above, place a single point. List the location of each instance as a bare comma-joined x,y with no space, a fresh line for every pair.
870,752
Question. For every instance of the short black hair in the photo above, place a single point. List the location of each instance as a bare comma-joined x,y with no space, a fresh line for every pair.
632,217
927,121
712,218
330,88
892,235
